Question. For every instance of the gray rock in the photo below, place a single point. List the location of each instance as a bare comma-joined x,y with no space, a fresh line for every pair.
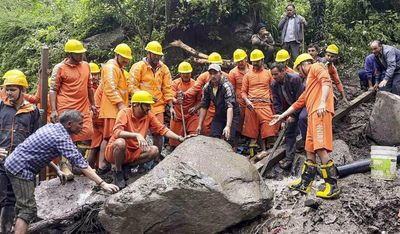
57,201
106,40
202,187
341,153
384,122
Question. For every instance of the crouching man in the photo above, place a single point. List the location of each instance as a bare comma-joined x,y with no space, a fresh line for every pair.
36,152
127,145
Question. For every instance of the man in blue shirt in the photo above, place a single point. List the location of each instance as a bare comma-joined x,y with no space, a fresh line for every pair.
36,152
369,75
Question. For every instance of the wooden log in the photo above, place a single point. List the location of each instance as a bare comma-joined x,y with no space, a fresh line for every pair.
180,44
353,104
228,64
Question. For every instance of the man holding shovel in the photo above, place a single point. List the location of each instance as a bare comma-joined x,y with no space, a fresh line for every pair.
186,119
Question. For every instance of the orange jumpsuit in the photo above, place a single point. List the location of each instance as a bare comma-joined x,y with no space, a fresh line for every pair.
191,121
335,77
319,130
202,80
114,91
98,124
71,84
257,88
157,83
235,76
289,70
126,121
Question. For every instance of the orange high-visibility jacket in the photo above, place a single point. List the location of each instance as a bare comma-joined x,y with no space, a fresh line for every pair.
317,77
257,85
115,89
157,83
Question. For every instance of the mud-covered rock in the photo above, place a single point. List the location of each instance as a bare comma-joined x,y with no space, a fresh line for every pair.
202,187
341,153
384,122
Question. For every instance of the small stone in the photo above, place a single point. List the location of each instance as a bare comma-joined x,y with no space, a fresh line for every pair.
311,203
330,219
294,192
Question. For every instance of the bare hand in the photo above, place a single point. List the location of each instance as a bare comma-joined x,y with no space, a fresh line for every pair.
111,188
121,106
190,136
62,176
181,139
173,113
250,105
94,110
54,116
275,119
321,109
143,144
290,119
192,110
344,100
198,129
3,153
383,83
226,132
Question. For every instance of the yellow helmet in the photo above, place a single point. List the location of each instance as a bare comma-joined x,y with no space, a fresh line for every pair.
124,50
256,55
142,96
214,57
239,55
185,67
74,46
94,68
154,47
301,58
282,56
332,48
15,77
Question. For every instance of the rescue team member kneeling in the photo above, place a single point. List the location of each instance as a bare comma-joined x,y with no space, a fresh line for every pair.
36,152
127,144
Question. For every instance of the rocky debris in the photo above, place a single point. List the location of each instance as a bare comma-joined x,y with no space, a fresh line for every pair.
57,201
341,153
106,40
384,122
202,187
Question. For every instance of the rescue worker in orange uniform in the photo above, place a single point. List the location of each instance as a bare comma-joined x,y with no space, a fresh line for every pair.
257,94
283,56
318,99
71,88
202,80
114,96
153,76
331,55
189,105
98,124
128,146
235,76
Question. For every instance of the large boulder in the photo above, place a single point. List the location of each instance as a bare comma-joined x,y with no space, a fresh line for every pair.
341,153
384,122
202,187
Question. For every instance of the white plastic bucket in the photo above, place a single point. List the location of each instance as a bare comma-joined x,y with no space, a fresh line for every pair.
383,162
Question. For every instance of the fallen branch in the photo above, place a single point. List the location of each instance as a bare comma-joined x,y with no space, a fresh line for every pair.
225,63
180,44
353,104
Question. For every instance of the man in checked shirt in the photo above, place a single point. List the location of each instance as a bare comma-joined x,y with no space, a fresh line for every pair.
36,152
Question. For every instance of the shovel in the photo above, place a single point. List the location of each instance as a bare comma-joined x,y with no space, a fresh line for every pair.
268,163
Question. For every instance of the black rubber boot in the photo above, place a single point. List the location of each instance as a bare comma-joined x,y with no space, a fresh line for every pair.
329,174
304,183
7,219
118,179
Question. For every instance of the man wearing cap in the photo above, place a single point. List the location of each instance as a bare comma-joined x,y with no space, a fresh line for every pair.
283,56
264,41
114,96
153,76
331,55
318,99
189,105
235,76
286,89
128,145
201,81
19,119
219,91
71,88
256,92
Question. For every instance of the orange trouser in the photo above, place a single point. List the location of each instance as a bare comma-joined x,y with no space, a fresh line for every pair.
87,130
257,121
131,155
177,127
241,119
108,128
98,126
208,120
319,132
